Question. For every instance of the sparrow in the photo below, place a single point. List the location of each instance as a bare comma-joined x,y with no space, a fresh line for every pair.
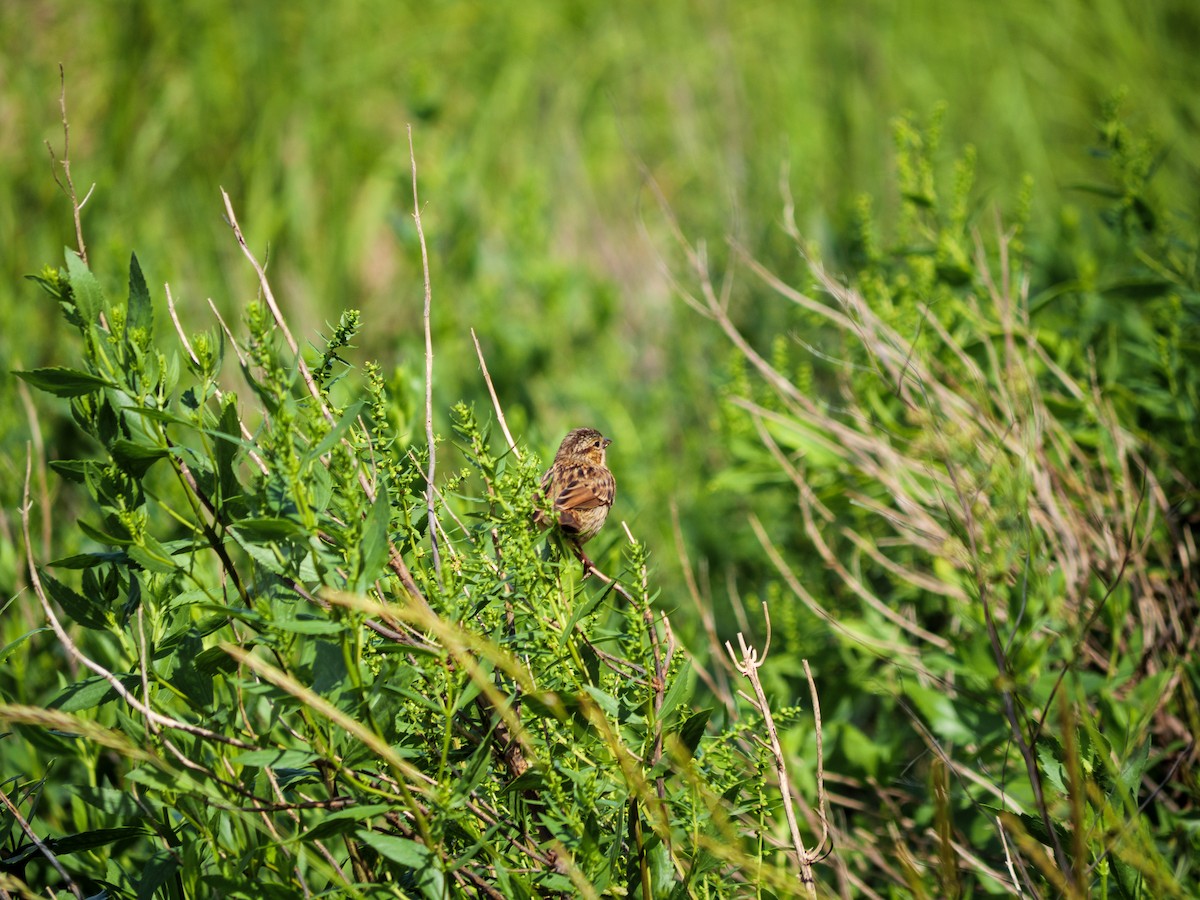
579,488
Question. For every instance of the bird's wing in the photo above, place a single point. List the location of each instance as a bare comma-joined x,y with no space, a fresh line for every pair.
584,487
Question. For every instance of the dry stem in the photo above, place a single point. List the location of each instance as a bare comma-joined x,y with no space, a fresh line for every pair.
429,495
749,664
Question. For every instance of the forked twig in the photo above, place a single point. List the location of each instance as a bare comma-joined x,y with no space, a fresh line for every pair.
69,188
749,664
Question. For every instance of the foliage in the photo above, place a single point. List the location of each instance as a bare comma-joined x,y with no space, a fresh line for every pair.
986,533
274,681
939,352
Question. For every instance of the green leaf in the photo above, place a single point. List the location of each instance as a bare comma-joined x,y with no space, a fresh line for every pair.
187,678
428,877
158,415
160,868
292,759
691,732
580,611
7,650
171,783
214,660
153,556
939,711
343,820
85,289
141,313
225,452
677,691
349,417
135,458
64,382
76,470
83,610
88,560
309,625
100,837
102,537
606,701
373,548
90,693
1054,770
265,530
110,801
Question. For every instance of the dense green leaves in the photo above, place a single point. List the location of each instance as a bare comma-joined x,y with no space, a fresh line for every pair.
270,602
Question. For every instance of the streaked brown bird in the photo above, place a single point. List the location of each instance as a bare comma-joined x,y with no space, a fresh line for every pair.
579,488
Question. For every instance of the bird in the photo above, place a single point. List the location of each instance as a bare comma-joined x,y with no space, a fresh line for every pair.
579,488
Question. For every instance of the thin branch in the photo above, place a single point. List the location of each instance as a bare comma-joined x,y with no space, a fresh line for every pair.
749,664
822,799
69,187
183,338
429,494
276,312
42,847
512,445
243,360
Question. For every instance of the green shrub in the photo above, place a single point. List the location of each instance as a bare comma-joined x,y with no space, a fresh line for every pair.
274,680
972,511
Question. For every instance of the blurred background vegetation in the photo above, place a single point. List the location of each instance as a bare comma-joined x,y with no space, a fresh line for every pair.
535,131
539,130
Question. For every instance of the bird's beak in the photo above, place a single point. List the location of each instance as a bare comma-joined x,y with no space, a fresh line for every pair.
607,441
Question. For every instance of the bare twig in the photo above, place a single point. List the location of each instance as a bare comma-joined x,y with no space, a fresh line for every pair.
1008,857
276,312
69,188
40,844
749,664
429,495
822,800
512,445
243,360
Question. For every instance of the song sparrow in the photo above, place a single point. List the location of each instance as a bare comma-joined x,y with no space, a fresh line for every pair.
579,488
